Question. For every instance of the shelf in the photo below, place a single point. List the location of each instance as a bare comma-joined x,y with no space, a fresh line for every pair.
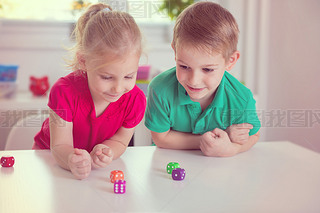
24,101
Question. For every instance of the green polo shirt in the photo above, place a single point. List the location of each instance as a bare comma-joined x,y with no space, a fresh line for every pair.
170,107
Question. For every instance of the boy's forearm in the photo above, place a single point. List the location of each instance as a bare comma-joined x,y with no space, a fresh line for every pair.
253,139
176,140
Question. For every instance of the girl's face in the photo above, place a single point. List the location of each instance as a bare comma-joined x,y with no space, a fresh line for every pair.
200,73
109,82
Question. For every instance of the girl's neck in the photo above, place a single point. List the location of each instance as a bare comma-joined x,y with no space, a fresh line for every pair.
99,104
100,107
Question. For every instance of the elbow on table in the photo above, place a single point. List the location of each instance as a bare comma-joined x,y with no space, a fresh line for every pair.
159,143
159,139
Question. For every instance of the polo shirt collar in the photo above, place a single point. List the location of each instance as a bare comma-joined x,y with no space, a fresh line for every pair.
218,100
183,96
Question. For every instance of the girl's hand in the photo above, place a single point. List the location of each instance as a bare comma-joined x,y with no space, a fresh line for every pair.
101,156
239,133
80,163
216,143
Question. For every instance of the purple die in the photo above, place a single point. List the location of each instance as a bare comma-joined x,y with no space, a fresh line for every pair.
178,174
119,186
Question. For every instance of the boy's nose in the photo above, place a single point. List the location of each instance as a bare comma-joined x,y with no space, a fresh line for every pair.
194,78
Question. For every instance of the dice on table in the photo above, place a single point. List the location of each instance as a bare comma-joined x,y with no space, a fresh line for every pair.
119,186
171,166
116,175
178,174
7,161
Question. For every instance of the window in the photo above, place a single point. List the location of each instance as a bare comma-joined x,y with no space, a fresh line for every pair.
62,10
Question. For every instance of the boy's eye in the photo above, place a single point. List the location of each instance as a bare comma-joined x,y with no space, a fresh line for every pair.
184,67
208,70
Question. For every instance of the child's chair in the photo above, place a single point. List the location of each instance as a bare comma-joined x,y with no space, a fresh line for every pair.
22,133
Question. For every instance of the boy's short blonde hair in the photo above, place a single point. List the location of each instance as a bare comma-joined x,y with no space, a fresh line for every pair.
208,26
100,31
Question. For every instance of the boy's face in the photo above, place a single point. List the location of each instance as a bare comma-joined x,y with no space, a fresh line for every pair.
200,73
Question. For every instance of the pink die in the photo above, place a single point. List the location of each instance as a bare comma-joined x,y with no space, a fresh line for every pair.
116,175
178,174
7,161
119,186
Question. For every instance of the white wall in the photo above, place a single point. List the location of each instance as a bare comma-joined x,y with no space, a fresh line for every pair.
39,48
294,73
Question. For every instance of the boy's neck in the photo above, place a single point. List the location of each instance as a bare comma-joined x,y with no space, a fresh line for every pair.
205,103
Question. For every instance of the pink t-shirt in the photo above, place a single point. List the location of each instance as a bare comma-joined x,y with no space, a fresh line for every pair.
71,99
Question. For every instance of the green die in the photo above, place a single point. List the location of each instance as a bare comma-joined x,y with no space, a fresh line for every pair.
171,166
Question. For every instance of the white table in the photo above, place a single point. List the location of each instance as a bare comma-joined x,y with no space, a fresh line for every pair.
271,177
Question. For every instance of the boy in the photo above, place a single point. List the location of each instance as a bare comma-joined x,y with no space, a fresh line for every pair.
197,104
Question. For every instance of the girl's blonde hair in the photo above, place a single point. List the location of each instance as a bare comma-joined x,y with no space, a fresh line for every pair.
207,26
101,31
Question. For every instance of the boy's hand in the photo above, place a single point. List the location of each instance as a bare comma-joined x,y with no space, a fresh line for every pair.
239,133
80,163
101,156
216,143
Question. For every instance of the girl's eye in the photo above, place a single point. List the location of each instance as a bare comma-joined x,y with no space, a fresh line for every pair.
105,77
184,67
208,70
128,77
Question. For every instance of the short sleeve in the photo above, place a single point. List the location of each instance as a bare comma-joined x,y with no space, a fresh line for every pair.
249,115
135,109
61,99
157,113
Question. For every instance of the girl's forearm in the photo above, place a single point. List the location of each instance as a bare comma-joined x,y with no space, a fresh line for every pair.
117,147
61,154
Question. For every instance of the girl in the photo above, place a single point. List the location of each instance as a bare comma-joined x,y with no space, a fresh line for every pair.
94,110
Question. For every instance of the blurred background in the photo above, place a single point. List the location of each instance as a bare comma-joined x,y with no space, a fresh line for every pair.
279,45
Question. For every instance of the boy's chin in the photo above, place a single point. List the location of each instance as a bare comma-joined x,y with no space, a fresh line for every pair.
195,98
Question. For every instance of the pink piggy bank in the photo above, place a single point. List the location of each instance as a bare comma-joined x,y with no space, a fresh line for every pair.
39,86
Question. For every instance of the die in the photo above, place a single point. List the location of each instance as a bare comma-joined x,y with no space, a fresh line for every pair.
178,174
7,161
116,175
171,166
119,186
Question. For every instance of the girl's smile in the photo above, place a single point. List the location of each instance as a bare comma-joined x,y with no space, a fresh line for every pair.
115,96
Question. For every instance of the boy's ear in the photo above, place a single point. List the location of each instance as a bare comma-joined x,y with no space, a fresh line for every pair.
233,60
174,51
81,61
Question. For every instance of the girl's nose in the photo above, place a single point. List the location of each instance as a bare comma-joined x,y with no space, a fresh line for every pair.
117,87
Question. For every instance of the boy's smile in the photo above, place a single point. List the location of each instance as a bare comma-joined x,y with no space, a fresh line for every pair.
199,73
195,89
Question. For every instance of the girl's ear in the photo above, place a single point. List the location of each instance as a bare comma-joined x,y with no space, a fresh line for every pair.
81,61
233,60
